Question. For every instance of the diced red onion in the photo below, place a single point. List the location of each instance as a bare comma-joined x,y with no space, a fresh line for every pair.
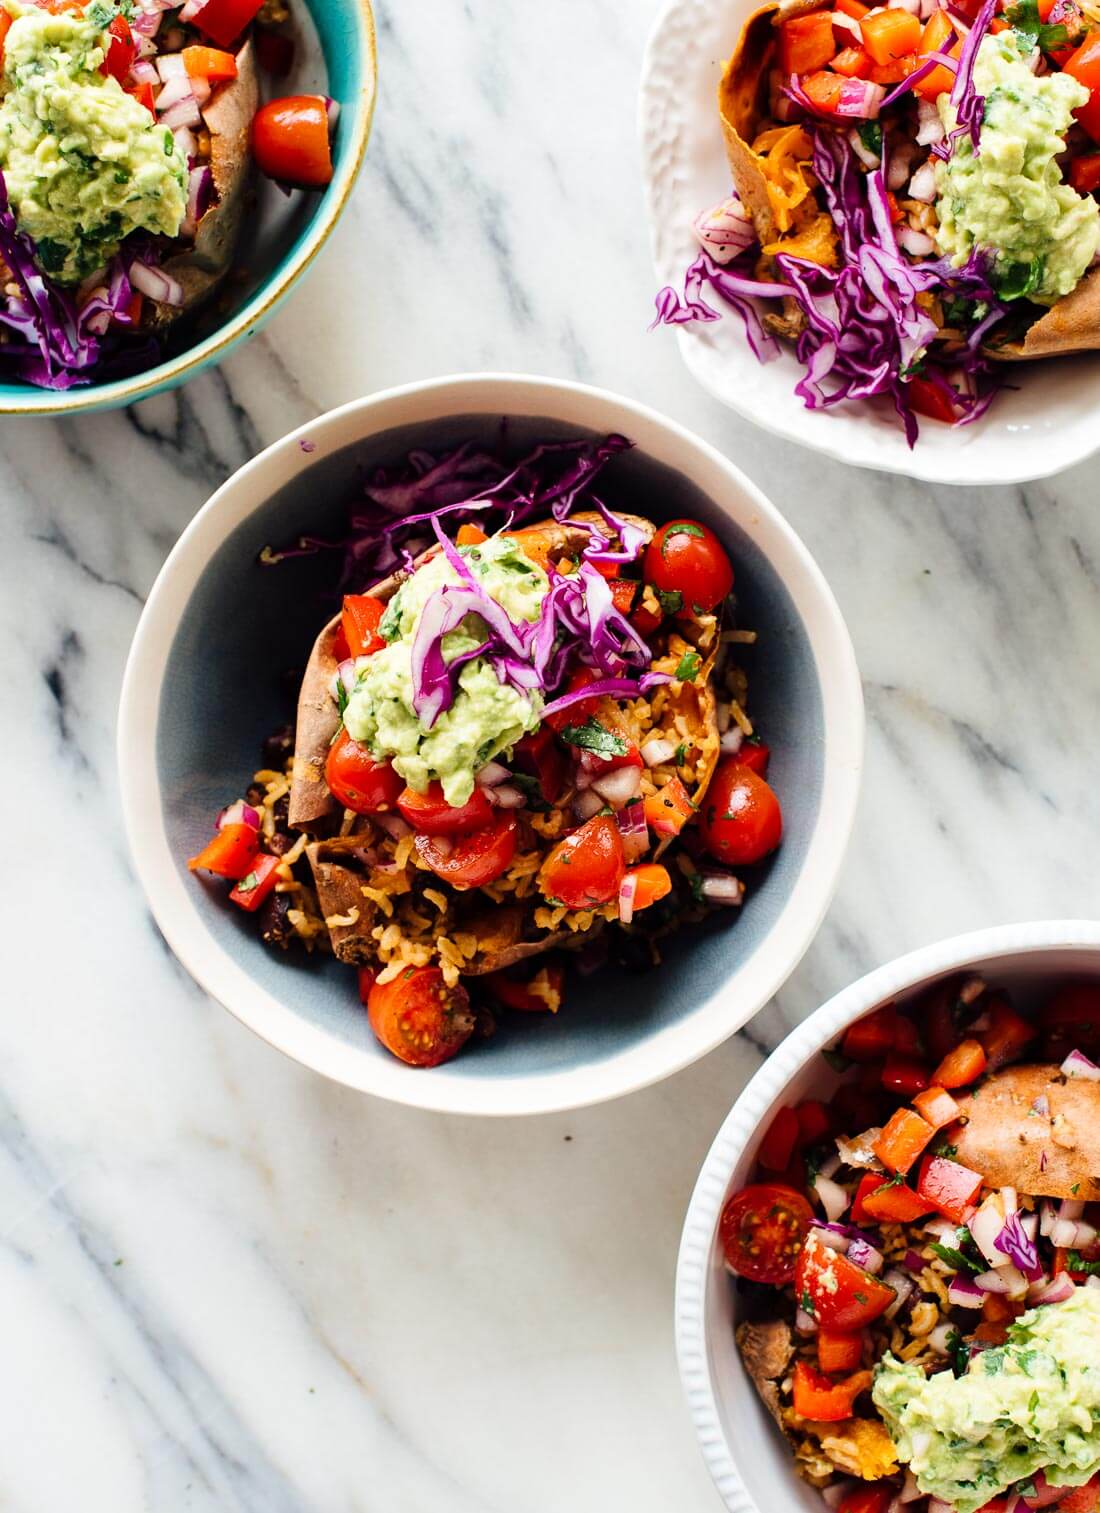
1069,1234
617,788
176,87
191,10
859,98
492,774
634,831
144,72
726,230
835,1236
239,813
1042,1494
155,283
922,186
849,24
897,166
395,826
943,1230
628,888
1041,1106
804,1322
834,1200
722,888
658,750
995,1281
172,66
348,674
915,1262
1077,1064
963,1293
1058,1290
504,796
1047,1217
182,113
586,804
940,1337
732,741
930,127
910,1492
904,1288
184,139
915,242
865,1255
985,1226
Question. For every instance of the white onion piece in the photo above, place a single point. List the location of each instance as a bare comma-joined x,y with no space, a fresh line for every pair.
1046,1217
175,88
156,284
1092,1281
1078,1065
395,825
618,787
832,1239
994,1281
897,172
732,741
185,140
1071,1208
930,128
903,1286
928,8
922,186
938,1340
833,1198
1058,1290
492,774
723,890
1064,1234
182,113
172,66
239,813
943,1230
586,804
985,1226
726,230
868,158
658,750
843,23
864,1254
915,242
804,1322
504,796
627,890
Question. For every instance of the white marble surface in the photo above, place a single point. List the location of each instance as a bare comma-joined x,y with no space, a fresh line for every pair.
227,1285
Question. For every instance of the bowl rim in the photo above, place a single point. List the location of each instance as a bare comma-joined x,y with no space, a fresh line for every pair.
660,141
744,1119
667,1050
215,347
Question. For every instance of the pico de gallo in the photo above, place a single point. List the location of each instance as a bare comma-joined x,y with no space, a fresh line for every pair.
527,745
918,1258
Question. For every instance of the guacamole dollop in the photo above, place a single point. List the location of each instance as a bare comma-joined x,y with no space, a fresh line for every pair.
487,716
84,163
1028,1405
1011,198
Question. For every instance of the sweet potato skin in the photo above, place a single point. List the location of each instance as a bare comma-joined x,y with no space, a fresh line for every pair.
1052,1155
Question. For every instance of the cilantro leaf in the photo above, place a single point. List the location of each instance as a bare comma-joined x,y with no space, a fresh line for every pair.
688,669
671,600
592,736
1075,1261
530,786
680,528
956,1259
870,134
341,696
1018,280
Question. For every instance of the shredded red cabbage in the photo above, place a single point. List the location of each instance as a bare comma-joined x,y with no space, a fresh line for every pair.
866,332
1021,1251
969,105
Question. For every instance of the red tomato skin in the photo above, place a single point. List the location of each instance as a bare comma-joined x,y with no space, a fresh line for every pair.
430,814
834,1285
418,1018
762,1229
357,781
780,1141
686,557
875,1498
266,874
740,820
541,757
119,49
359,620
755,756
290,141
223,21
473,860
586,868
578,712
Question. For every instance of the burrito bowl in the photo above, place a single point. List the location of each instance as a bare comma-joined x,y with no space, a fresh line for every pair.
491,846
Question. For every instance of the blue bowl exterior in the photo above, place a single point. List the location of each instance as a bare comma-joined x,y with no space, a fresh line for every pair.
245,626
345,29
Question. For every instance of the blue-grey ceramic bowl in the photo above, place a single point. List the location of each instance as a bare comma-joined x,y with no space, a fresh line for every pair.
203,688
335,55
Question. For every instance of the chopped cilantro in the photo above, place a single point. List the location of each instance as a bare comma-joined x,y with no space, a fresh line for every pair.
870,134
860,1297
1075,1189
836,1059
248,882
688,669
592,736
806,1303
993,1361
530,786
341,697
948,1152
956,1259
1075,1261
680,528
1018,280
671,600
680,754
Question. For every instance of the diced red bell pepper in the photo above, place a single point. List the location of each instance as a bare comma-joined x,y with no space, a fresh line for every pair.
778,1145
223,21
645,619
895,1203
469,534
623,591
361,616
890,34
869,1183
608,569
806,42
814,1121
904,1075
929,399
854,8
902,1140
962,1066
755,756
936,1107
119,49
824,89
515,994
827,1402
872,1037
211,63
852,62
579,711
256,884
230,854
1084,1499
142,93
839,1350
936,32
1084,66
950,1187
1008,1035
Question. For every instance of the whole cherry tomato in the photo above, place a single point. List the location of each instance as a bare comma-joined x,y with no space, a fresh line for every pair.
686,558
740,820
357,781
418,1017
587,867
291,141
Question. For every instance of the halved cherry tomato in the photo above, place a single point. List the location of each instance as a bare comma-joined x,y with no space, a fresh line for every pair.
230,854
780,1140
839,1294
816,1397
895,1203
962,1065
839,1350
418,1018
579,711
890,34
814,1121
740,821
869,1183
761,1232
120,49
1008,1034
470,534
872,1037
1071,1019
1084,1499
209,63
936,1107
257,883
1084,66
357,781
142,93
755,756
533,995
904,1075
430,813
949,1186
852,62
806,43
587,867
875,1498
623,592
223,21
651,884
668,810
472,861
687,557
291,140
540,755
359,620
902,1139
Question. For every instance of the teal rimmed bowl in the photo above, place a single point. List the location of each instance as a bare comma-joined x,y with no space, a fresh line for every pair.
337,56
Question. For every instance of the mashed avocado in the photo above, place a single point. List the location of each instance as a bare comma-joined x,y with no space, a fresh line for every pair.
487,717
1031,1404
1011,198
84,163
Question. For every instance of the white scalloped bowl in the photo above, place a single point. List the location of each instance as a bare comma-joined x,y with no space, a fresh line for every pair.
1045,424
748,1458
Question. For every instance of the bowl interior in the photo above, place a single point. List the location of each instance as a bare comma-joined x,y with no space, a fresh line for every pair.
759,1452
333,55
226,687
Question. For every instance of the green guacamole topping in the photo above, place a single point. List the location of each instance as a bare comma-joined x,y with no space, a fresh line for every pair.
1011,198
487,717
1031,1404
84,163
